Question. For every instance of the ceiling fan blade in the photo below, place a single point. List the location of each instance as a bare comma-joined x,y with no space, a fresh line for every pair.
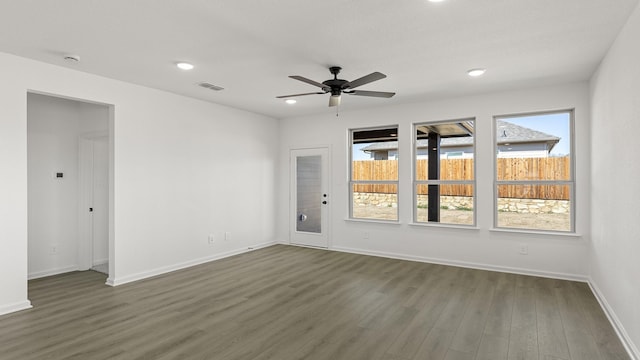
288,96
334,100
382,94
309,81
366,79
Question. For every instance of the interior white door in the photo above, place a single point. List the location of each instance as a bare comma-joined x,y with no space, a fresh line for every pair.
309,208
93,244
100,213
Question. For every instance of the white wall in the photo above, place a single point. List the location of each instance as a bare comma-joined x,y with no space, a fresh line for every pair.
13,198
615,255
53,127
182,169
553,255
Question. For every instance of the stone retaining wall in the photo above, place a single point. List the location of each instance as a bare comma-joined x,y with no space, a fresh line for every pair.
522,206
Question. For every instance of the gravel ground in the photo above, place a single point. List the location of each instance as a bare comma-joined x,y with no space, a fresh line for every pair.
560,222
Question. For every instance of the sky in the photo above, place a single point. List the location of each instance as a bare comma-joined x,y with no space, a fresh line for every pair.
358,154
553,124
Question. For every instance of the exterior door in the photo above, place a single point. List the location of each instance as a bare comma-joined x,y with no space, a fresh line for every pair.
310,199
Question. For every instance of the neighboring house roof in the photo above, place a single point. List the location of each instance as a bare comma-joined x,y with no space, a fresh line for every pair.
506,132
512,133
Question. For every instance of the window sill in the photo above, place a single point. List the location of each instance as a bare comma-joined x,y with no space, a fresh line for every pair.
450,226
534,232
374,221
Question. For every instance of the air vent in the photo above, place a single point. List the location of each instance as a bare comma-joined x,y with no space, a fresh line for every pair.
210,86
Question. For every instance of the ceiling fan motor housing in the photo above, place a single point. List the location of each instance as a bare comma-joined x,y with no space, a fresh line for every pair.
336,85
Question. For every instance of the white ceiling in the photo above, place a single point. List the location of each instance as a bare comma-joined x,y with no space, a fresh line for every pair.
249,47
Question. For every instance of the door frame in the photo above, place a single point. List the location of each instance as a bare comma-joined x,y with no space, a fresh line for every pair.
323,150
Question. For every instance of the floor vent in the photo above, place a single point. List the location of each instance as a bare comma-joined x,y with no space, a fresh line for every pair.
210,86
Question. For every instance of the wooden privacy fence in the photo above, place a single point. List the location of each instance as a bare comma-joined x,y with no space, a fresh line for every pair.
551,168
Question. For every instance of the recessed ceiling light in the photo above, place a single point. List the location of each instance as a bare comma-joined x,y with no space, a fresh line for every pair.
184,66
476,72
290,101
436,1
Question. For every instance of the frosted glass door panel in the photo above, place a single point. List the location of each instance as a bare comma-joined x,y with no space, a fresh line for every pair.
309,193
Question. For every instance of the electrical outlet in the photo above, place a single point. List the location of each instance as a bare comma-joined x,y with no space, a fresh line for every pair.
54,249
212,239
227,236
365,235
524,249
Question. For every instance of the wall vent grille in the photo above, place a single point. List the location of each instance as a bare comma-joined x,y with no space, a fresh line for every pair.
210,86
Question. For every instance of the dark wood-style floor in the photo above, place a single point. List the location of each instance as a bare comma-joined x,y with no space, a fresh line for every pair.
287,302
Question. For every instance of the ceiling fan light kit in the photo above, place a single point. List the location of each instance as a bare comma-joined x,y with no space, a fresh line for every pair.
337,87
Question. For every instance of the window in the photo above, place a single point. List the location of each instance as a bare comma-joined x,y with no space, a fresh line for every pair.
534,181
373,179
444,175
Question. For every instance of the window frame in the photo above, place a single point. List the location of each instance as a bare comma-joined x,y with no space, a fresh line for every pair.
351,182
571,182
416,182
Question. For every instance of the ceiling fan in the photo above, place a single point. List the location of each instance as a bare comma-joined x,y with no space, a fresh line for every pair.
337,87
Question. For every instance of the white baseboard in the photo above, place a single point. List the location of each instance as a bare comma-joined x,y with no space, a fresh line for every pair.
23,305
471,265
115,281
628,344
51,272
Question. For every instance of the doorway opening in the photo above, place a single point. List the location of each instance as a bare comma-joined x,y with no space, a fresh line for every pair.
69,166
